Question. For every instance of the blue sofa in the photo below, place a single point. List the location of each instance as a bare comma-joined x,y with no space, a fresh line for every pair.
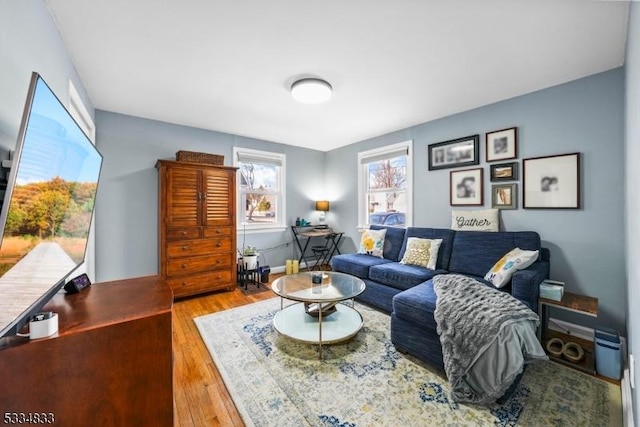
406,291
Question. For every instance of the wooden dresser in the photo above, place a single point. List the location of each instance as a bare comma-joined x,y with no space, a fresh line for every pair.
110,364
197,226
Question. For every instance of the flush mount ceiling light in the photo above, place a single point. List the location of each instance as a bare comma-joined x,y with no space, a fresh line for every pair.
311,91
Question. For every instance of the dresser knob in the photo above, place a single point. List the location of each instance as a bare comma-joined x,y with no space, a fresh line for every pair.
184,265
184,248
218,231
184,233
184,283
218,244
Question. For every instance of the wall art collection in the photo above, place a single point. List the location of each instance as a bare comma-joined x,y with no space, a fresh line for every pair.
548,182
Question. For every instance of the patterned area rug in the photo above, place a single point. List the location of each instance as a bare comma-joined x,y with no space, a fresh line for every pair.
275,381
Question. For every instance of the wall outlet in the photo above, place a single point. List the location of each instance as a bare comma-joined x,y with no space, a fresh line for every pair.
632,371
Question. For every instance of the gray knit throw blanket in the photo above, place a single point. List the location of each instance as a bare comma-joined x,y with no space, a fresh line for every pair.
470,316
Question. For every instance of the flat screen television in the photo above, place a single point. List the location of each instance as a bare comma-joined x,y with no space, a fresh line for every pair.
47,208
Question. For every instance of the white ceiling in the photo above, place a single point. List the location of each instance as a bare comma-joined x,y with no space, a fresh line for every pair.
228,65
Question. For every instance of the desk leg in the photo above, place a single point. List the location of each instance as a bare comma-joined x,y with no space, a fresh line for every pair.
336,242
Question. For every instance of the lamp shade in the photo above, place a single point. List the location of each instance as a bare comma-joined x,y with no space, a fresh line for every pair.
322,205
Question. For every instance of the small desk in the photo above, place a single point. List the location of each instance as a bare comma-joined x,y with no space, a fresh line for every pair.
308,232
581,304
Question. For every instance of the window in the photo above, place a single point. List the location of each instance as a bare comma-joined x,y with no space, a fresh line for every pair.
384,185
261,178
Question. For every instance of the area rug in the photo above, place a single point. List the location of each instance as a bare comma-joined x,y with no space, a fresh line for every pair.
275,381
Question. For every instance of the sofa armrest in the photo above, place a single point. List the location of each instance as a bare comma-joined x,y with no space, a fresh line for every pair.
525,284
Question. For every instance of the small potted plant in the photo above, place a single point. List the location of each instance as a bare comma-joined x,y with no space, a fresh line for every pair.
250,258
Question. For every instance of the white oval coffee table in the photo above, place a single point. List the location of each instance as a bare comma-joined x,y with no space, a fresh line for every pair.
318,318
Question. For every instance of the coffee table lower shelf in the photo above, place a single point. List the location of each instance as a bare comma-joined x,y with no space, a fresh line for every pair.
339,326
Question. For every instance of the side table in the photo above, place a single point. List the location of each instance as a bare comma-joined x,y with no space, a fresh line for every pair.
581,304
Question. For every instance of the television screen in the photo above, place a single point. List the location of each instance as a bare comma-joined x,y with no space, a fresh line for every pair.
47,208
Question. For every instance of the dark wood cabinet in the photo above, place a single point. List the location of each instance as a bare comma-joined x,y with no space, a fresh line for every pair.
197,223
110,364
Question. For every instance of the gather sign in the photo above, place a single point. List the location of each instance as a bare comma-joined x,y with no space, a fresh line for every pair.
475,220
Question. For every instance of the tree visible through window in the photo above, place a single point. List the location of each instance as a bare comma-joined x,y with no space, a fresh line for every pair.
385,179
260,190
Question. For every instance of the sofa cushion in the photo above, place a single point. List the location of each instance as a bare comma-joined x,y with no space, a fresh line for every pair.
401,276
356,264
421,252
444,253
393,241
517,259
372,242
475,252
416,305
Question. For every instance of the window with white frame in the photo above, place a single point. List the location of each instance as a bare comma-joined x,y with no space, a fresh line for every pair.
385,185
261,188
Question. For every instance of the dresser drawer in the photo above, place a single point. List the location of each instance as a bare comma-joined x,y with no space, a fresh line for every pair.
197,247
198,264
217,231
199,283
177,233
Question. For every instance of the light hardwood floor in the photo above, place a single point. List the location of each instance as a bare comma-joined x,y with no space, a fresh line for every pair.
200,397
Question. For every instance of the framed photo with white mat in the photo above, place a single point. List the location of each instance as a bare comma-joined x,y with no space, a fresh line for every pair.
551,182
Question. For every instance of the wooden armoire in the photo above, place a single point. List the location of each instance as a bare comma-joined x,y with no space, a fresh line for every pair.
197,226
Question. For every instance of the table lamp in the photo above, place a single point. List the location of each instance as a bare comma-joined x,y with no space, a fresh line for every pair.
322,206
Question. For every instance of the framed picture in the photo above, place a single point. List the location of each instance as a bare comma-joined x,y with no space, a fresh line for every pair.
455,153
551,182
504,172
466,187
502,145
504,196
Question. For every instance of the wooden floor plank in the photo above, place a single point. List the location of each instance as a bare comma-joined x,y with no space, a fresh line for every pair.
200,396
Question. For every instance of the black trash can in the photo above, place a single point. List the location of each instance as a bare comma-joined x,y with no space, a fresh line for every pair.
264,274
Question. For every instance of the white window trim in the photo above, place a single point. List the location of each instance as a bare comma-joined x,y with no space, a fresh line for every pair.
282,210
81,115
388,149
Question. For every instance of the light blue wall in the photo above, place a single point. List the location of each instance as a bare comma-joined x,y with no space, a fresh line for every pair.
587,249
29,41
127,203
585,115
632,146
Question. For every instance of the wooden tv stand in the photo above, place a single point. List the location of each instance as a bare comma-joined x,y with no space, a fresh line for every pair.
110,363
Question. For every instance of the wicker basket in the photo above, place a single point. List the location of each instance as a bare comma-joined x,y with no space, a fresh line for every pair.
195,157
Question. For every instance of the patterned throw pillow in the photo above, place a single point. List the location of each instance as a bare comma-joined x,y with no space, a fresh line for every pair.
516,259
421,252
372,242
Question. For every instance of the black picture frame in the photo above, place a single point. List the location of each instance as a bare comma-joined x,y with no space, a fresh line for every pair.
455,153
501,144
551,182
466,187
503,172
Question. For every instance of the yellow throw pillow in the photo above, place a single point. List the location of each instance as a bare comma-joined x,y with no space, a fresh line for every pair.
421,252
372,242
516,259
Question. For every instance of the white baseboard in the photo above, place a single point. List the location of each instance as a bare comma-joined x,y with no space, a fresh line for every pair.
627,400
281,268
570,329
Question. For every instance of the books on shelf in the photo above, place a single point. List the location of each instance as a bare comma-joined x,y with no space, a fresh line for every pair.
552,289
